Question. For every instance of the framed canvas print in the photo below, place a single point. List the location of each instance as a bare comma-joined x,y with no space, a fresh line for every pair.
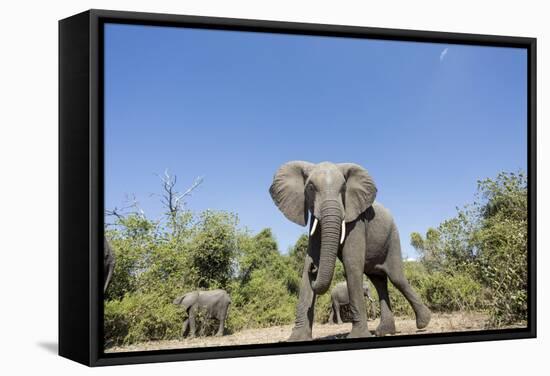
236,187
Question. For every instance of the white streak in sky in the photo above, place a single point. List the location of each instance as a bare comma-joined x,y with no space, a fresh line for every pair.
443,53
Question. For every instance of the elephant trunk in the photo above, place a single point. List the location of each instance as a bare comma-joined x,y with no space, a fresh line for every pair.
331,222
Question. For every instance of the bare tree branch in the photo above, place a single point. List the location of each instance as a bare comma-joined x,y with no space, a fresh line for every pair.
131,207
171,198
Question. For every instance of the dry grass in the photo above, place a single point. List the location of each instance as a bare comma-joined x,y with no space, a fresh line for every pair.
441,323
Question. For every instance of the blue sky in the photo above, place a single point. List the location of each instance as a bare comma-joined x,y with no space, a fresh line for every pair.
427,120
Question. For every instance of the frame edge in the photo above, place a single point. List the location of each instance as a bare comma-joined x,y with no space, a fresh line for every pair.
83,93
74,161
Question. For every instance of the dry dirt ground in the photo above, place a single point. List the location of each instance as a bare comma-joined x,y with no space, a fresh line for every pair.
440,323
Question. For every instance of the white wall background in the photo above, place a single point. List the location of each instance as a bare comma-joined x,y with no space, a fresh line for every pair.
28,192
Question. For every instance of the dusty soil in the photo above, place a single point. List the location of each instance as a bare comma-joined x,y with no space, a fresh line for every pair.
440,323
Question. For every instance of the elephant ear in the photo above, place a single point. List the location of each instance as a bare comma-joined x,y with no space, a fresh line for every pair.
360,190
287,190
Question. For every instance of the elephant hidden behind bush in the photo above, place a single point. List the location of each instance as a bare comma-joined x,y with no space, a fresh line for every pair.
345,222
339,297
108,264
214,304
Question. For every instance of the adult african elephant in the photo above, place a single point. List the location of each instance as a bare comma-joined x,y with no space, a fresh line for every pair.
214,302
108,264
348,224
339,297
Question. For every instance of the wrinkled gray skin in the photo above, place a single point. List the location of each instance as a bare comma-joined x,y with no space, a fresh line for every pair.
214,302
108,264
333,193
339,297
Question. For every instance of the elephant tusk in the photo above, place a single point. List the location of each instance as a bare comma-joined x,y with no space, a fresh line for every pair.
343,235
314,227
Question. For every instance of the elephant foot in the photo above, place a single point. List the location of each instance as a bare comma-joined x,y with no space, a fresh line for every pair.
219,334
339,322
299,335
359,331
423,317
385,328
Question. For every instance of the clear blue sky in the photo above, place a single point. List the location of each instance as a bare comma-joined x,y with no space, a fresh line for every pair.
427,120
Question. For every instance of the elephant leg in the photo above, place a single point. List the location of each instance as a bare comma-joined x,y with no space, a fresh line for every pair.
394,269
221,319
185,328
304,311
338,313
387,322
353,256
109,276
219,333
331,317
192,322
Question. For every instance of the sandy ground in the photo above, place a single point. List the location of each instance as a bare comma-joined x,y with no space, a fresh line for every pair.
454,322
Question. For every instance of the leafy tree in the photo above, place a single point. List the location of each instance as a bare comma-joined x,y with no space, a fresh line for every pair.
256,252
266,285
429,248
298,253
502,244
212,249
486,241
132,243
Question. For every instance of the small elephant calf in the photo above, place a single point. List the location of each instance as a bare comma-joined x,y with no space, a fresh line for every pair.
214,302
340,297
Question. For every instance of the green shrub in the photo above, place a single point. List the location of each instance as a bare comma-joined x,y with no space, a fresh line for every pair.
441,292
263,301
446,293
504,270
400,306
139,318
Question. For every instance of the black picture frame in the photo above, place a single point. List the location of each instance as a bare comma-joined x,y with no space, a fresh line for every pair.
81,186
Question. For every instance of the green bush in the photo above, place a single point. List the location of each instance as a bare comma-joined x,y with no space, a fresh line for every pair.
139,318
444,293
439,291
263,301
505,272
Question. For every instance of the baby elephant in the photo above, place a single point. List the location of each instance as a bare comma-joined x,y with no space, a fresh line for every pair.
215,303
340,297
